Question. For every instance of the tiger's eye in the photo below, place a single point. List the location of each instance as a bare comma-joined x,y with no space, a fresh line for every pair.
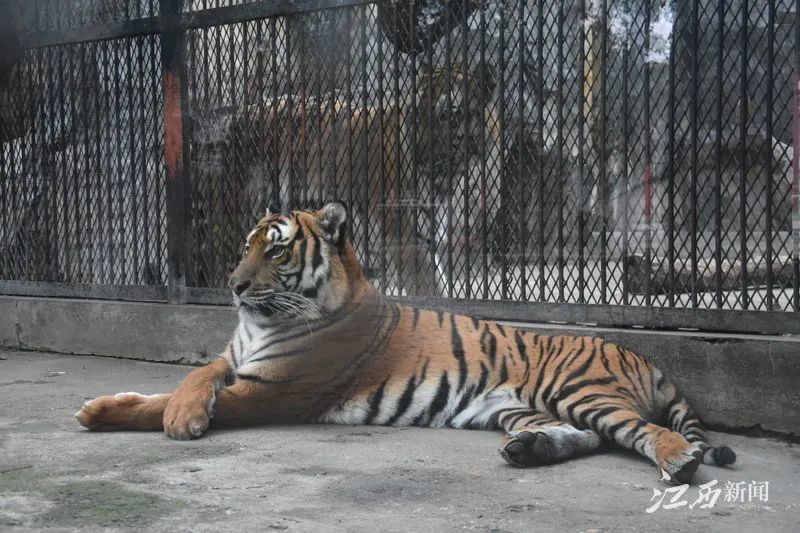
275,252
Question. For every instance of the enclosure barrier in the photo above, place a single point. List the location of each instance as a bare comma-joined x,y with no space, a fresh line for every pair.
591,161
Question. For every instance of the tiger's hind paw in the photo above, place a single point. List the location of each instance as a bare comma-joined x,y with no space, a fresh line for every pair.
680,469
528,448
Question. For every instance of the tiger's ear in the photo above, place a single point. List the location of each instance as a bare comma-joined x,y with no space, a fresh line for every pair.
331,220
274,208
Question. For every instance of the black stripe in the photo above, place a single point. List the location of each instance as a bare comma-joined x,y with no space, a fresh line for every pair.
416,317
458,352
611,430
482,381
440,316
555,374
281,355
489,345
475,322
512,421
501,329
503,373
523,350
598,414
248,377
570,412
374,403
542,366
440,399
405,401
316,258
462,404
566,392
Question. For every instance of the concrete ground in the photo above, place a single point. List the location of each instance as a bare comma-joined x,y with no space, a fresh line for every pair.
55,475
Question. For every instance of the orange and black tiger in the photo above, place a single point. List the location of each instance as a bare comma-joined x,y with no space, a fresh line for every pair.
317,343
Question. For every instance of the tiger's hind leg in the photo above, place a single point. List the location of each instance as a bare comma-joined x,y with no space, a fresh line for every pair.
676,458
534,438
680,417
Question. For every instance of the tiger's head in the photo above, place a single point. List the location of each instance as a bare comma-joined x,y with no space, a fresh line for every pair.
297,264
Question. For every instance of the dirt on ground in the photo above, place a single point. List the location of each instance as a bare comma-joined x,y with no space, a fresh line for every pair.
54,475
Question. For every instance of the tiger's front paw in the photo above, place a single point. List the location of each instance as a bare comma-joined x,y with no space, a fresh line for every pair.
187,418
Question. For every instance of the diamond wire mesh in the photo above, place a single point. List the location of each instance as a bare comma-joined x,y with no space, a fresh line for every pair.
81,170
603,151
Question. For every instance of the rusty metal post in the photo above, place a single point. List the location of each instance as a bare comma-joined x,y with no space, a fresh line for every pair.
176,151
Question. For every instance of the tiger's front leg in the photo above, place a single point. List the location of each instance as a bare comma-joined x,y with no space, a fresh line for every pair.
190,408
183,414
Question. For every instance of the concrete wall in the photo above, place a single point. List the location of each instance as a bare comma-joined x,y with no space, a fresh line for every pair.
734,381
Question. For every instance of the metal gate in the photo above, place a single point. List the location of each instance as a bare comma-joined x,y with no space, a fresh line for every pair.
590,161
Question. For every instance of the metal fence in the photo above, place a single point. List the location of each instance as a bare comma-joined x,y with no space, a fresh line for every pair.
588,161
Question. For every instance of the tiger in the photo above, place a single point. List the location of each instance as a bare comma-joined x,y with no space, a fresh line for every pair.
317,343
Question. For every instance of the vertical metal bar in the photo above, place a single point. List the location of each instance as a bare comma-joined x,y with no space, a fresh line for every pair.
625,158
365,210
383,176
648,167
769,170
466,78
718,155
176,156
503,178
448,61
523,200
136,173
66,266
143,143
695,52
432,199
671,174
303,145
603,186
79,259
291,144
560,143
521,196
743,120
332,98
796,163
98,165
581,206
402,210
414,143
484,138
119,256
275,108
348,76
109,168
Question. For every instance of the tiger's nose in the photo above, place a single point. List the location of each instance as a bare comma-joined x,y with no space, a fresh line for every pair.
238,286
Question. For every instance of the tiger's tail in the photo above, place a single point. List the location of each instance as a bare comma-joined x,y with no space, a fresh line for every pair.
676,413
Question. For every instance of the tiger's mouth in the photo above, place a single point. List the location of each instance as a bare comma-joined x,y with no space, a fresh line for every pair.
255,301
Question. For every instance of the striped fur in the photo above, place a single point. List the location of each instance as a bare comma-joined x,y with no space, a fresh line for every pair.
317,344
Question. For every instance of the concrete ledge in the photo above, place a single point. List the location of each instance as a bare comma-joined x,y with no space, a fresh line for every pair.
734,381
191,334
